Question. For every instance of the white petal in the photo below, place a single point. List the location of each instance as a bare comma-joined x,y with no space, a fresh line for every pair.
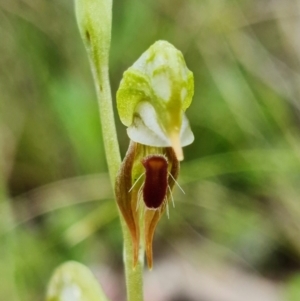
146,130
186,135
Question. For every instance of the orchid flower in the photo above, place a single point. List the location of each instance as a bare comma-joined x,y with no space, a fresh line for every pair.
152,98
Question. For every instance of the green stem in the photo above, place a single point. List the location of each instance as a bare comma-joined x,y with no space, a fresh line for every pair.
134,277
94,20
109,134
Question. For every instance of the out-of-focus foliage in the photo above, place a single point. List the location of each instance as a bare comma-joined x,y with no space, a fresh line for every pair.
241,175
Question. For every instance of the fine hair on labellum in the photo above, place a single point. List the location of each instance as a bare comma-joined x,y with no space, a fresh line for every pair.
155,186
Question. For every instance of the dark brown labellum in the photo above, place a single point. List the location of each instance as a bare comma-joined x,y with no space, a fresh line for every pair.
156,180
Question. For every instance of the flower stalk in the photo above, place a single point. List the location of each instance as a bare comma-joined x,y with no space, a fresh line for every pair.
94,20
152,98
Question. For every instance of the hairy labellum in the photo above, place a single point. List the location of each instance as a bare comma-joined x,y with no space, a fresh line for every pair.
156,181
154,165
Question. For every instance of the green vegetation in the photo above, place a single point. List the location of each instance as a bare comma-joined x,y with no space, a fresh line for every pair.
241,175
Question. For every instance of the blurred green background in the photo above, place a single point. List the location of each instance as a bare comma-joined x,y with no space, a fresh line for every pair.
235,234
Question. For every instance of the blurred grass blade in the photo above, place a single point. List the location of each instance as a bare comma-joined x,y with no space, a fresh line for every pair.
8,285
258,161
72,281
91,223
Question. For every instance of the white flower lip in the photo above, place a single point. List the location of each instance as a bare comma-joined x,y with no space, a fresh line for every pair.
146,130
